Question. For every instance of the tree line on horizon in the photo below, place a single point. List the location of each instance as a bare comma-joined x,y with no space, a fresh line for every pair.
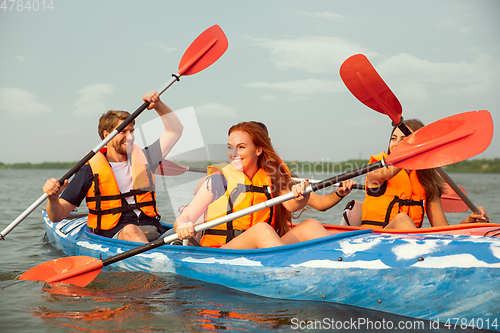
467,166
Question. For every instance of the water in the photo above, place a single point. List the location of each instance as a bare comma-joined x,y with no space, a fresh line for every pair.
137,301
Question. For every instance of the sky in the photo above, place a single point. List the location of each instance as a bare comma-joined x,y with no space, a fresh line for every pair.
62,67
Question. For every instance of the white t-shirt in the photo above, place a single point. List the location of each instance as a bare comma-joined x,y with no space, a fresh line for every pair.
123,176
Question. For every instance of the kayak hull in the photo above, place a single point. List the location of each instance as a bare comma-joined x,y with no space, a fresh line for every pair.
426,276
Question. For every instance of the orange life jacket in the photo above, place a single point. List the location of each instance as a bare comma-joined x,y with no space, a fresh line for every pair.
403,193
104,201
216,168
240,193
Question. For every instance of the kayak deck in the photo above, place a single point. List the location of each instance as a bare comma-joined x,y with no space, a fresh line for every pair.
470,229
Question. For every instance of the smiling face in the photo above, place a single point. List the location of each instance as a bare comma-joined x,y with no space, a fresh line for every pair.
243,153
123,141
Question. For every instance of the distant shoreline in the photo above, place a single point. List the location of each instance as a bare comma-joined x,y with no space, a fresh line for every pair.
467,166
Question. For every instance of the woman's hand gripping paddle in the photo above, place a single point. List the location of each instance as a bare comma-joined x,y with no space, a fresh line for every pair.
204,51
367,86
428,147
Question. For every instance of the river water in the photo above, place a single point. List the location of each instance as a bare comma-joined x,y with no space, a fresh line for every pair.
137,301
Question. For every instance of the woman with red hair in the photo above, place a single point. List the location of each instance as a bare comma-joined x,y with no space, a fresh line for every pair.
256,173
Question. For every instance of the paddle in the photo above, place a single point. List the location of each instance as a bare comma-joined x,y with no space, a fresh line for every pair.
427,148
450,201
169,168
365,83
204,51
313,181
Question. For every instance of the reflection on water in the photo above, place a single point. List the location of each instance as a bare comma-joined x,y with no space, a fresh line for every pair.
131,301
114,303
120,301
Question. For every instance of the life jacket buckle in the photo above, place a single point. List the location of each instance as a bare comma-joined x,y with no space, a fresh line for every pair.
408,202
132,207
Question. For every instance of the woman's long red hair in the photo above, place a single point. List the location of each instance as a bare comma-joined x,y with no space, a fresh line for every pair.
273,165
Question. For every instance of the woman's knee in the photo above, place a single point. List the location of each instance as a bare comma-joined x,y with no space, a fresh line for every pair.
262,228
401,221
259,235
311,225
311,222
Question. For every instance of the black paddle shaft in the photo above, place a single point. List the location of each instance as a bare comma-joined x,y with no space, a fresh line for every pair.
348,175
133,252
194,169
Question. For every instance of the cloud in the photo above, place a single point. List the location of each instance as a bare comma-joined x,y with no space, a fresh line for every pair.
21,103
216,110
163,48
312,54
418,79
20,58
455,20
268,98
301,88
326,15
91,101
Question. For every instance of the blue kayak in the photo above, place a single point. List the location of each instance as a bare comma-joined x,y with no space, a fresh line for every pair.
425,276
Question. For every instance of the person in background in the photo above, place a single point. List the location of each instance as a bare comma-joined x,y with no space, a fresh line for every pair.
398,199
118,182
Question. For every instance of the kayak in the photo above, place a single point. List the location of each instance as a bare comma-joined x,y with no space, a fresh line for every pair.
431,276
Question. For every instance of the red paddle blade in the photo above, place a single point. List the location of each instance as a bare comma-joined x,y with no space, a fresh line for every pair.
204,51
446,141
451,202
169,168
363,81
79,271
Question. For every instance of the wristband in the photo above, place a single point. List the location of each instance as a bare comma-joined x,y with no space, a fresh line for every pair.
340,196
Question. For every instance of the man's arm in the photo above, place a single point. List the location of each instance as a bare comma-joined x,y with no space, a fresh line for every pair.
173,126
57,209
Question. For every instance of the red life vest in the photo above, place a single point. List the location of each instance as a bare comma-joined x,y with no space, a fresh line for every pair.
403,193
104,199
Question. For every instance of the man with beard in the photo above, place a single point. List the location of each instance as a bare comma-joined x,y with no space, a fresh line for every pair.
118,182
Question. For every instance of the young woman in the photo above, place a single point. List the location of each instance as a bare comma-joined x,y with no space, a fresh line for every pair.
256,173
398,199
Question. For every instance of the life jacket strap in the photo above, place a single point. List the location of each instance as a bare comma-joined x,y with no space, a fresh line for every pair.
373,223
232,233
124,208
97,196
243,188
119,196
